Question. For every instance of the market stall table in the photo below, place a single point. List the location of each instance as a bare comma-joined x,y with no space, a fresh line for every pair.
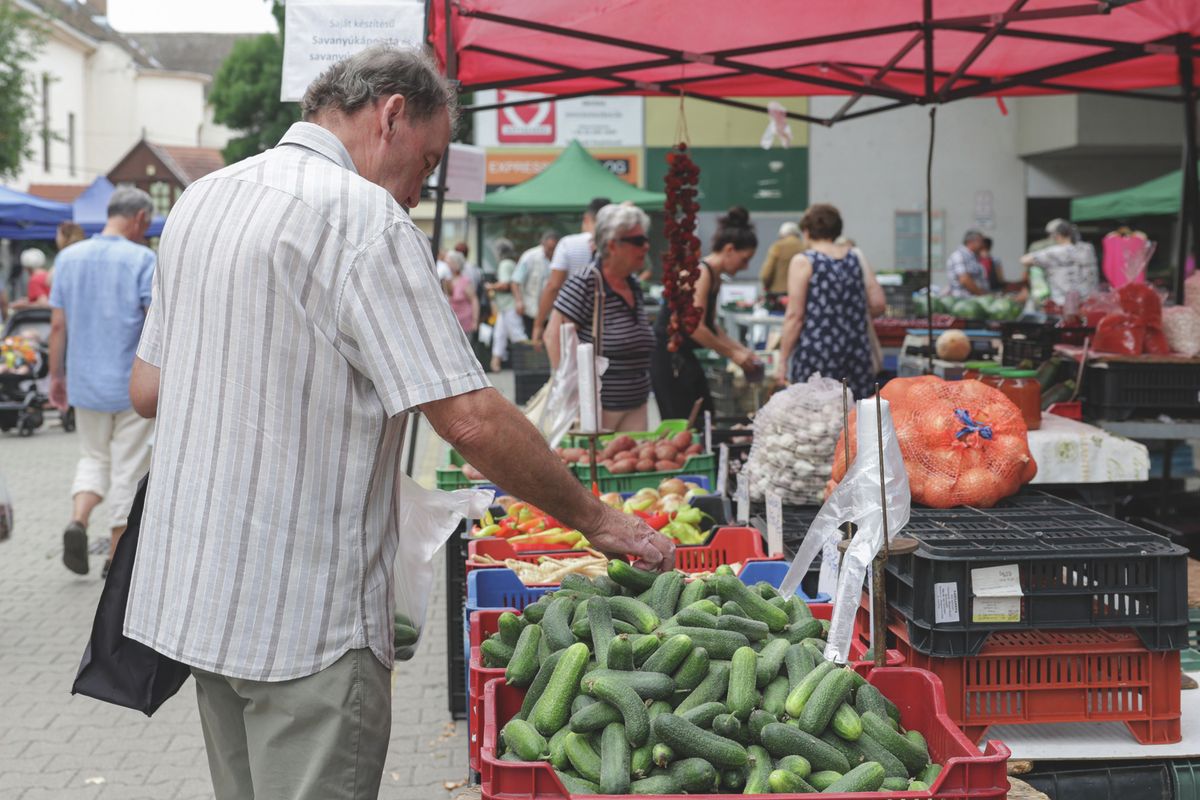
1070,452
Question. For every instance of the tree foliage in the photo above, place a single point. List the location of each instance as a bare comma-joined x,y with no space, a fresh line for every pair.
21,38
245,94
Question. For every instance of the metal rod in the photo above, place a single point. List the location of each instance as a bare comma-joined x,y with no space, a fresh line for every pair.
830,38
847,527
1185,242
929,235
878,598
443,168
879,75
1042,36
927,32
593,469
982,45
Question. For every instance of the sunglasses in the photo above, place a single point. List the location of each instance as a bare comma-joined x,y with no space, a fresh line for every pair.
636,241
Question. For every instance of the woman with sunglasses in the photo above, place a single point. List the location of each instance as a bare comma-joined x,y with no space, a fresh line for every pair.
678,377
627,339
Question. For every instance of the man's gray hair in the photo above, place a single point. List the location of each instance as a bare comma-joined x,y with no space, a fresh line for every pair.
127,201
455,259
789,229
972,235
381,71
615,220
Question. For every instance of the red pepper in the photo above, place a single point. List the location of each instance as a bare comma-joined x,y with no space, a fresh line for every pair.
532,526
658,521
533,544
643,514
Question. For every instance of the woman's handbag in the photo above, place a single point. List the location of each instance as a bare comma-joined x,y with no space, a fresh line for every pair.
114,668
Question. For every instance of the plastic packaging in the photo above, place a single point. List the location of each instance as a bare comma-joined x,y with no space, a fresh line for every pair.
1142,302
1181,325
1121,334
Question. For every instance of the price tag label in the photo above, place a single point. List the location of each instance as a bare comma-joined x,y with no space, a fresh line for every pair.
1000,581
996,609
945,602
743,502
774,524
708,431
722,470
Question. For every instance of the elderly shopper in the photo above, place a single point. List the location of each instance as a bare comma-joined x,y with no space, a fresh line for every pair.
1068,266
506,297
297,320
626,338
460,289
965,274
774,275
832,295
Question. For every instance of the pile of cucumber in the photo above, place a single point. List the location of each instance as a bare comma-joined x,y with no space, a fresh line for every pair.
651,684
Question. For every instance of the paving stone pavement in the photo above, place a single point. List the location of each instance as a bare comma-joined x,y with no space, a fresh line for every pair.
54,746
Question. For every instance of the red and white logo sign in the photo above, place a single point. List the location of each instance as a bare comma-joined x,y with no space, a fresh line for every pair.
532,123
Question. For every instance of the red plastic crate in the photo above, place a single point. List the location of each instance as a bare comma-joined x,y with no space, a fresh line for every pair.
726,546
1028,677
968,774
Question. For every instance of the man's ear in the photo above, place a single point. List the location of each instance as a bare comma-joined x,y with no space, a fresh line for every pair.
392,113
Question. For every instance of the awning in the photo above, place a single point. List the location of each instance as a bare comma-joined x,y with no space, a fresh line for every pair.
1159,196
91,209
24,216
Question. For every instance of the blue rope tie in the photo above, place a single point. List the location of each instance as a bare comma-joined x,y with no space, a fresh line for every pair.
971,426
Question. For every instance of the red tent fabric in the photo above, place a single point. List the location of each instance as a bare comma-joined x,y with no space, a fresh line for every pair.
771,48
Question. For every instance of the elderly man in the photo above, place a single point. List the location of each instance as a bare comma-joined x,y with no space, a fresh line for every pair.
774,275
533,269
965,274
99,298
297,319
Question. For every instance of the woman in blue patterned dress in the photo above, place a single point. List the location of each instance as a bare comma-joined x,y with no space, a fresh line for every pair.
832,295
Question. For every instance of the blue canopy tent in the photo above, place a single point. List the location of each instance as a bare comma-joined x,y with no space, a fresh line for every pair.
23,216
91,209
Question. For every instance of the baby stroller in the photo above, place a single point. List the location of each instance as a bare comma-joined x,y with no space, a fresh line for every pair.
24,371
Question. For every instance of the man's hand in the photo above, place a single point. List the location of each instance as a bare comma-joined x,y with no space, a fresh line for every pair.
617,534
520,308
58,393
536,337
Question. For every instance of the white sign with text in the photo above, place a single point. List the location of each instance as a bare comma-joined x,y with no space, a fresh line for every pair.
593,121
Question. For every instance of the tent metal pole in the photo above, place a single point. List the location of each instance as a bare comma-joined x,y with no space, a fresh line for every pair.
1062,69
878,76
929,233
1189,226
927,31
452,76
983,44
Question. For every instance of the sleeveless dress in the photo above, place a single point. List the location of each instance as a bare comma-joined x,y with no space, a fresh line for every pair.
833,340
678,378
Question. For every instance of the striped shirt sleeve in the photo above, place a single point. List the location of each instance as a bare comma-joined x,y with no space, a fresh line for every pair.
576,301
396,327
150,345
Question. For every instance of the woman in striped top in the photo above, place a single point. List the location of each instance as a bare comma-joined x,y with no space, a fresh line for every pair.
627,340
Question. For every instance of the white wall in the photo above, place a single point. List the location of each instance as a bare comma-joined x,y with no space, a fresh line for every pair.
170,107
64,60
112,107
871,167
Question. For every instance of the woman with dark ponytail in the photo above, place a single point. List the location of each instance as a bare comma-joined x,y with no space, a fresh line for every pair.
678,378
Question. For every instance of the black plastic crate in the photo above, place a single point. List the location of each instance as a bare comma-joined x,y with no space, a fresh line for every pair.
1077,568
524,357
527,384
1142,780
456,597
1119,390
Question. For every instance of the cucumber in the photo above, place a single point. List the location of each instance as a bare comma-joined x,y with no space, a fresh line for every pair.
733,781
662,755
824,779
780,603
664,593
658,707
912,756
919,741
556,625
759,719
573,581
553,708
695,618
659,784
719,644
583,757
576,785
520,738
534,612
509,626
799,696
770,660
606,586
621,626
727,725
692,670
918,786
741,696
825,625
706,606
617,692
732,609
894,785
730,588
797,632
581,629
594,717
523,666
669,655
692,591
853,755
635,612
713,687
798,610
694,775
648,685
874,751
600,626
689,740
538,687
930,774
704,714
629,577
868,698
644,646
641,761
797,765
495,653
556,746
581,702
775,695
846,723
752,629
815,649
760,771
724,569
798,662
620,653
785,740
866,777
614,760
767,591
782,781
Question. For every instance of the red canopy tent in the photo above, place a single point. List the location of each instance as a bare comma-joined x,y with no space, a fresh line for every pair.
906,51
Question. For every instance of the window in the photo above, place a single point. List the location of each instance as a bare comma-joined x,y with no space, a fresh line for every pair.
161,195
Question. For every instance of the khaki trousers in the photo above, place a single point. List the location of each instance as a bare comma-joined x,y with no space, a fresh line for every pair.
114,454
321,737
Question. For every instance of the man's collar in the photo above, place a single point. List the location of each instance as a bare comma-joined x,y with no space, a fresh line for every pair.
321,141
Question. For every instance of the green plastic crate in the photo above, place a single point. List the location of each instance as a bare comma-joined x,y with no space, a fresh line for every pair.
451,479
1185,775
704,464
668,426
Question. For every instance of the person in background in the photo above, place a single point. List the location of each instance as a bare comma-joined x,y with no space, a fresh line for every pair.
678,378
1068,266
572,255
99,299
443,267
461,291
38,291
832,295
991,266
37,280
533,269
506,295
774,275
965,274
67,234
1048,241
627,340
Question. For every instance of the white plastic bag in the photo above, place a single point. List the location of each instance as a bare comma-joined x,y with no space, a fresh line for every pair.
427,518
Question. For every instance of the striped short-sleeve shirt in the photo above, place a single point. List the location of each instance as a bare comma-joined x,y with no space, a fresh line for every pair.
296,317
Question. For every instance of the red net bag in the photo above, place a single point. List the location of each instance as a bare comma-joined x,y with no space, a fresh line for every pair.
963,443
1142,302
1122,334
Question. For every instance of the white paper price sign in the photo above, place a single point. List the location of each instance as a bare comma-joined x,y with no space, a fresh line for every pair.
708,431
722,470
743,502
774,524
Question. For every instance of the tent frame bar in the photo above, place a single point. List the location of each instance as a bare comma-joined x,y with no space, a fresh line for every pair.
1188,232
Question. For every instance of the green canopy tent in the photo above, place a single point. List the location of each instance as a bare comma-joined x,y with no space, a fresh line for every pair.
564,187
1157,197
